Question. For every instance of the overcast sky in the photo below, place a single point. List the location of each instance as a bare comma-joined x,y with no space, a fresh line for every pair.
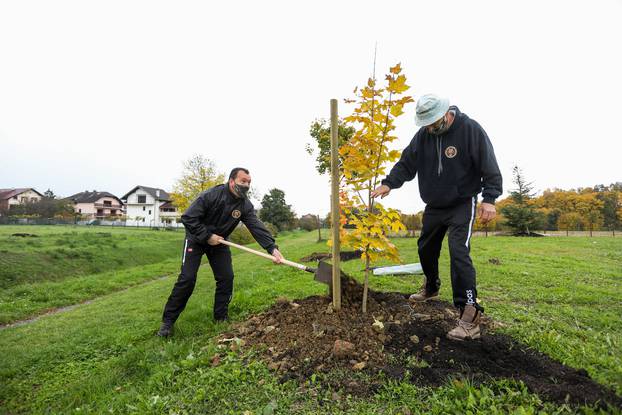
109,95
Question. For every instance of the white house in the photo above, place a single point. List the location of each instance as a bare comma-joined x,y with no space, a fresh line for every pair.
96,204
149,206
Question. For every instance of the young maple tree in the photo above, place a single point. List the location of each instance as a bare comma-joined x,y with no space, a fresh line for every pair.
364,159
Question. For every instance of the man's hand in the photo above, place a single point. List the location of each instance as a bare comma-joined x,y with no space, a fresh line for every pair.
382,191
486,212
214,239
278,258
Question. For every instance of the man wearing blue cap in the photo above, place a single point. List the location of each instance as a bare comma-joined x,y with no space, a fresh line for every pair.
455,161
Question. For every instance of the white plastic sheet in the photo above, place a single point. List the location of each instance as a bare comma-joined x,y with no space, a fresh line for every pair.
405,269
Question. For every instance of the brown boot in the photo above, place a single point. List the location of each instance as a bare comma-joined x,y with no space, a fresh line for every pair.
423,295
468,325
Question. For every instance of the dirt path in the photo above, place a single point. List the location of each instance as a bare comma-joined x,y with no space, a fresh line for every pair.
63,309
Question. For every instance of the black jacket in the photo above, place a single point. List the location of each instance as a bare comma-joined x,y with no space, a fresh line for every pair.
218,211
452,167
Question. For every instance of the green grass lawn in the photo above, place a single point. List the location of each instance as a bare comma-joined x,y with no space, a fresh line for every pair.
560,295
65,265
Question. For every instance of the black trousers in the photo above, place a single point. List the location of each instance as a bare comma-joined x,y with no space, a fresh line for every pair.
458,220
219,257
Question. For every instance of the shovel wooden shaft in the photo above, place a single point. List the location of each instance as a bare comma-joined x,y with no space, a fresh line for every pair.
267,256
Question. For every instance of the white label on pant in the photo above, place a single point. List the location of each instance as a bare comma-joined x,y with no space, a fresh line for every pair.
469,294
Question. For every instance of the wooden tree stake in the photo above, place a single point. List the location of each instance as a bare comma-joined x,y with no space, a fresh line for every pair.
334,208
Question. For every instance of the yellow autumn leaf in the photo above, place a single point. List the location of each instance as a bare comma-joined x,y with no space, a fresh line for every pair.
397,110
398,85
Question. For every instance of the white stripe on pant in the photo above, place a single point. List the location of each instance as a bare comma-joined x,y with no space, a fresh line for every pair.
473,199
183,259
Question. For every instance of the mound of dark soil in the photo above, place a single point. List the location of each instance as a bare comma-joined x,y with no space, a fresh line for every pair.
530,234
404,341
25,235
321,256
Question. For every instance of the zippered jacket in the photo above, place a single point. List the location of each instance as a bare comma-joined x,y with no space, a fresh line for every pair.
218,211
451,167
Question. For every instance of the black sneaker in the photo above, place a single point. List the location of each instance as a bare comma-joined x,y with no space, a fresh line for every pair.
166,329
221,319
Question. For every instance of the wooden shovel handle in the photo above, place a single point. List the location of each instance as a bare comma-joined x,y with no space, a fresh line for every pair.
263,254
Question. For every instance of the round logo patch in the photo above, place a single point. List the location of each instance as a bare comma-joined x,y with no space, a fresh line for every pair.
451,152
236,214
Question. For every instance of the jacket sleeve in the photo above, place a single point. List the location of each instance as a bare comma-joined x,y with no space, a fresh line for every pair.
258,229
492,182
193,218
405,169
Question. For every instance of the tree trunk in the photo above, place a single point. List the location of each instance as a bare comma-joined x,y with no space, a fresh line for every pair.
319,230
366,285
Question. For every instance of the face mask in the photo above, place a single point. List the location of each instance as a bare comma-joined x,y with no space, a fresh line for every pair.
241,190
439,129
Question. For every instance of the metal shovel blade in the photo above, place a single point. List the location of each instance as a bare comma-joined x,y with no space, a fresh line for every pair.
324,273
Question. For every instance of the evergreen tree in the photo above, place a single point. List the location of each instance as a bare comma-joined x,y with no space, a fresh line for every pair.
521,215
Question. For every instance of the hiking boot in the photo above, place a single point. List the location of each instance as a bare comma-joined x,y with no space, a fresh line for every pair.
423,295
166,329
468,325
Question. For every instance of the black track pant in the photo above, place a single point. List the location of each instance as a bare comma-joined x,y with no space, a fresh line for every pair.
219,257
459,221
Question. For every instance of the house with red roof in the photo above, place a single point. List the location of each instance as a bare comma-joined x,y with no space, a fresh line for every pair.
18,196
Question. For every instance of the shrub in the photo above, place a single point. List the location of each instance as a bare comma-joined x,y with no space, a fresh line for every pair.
308,222
272,228
241,235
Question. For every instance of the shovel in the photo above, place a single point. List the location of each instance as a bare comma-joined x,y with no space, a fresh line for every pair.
323,273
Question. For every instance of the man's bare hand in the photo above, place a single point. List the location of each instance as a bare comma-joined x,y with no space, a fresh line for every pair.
382,191
214,239
278,258
486,212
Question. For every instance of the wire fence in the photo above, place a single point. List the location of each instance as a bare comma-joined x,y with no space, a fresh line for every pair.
173,226
91,222
600,233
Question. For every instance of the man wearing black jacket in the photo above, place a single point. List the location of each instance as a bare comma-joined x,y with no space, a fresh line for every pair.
209,219
455,161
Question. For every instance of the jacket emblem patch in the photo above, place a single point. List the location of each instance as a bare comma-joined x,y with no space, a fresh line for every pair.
236,214
451,152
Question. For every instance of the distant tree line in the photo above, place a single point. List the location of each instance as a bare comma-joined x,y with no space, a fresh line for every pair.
590,209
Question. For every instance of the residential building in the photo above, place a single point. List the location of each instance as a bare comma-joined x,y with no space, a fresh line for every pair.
20,196
96,205
149,206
